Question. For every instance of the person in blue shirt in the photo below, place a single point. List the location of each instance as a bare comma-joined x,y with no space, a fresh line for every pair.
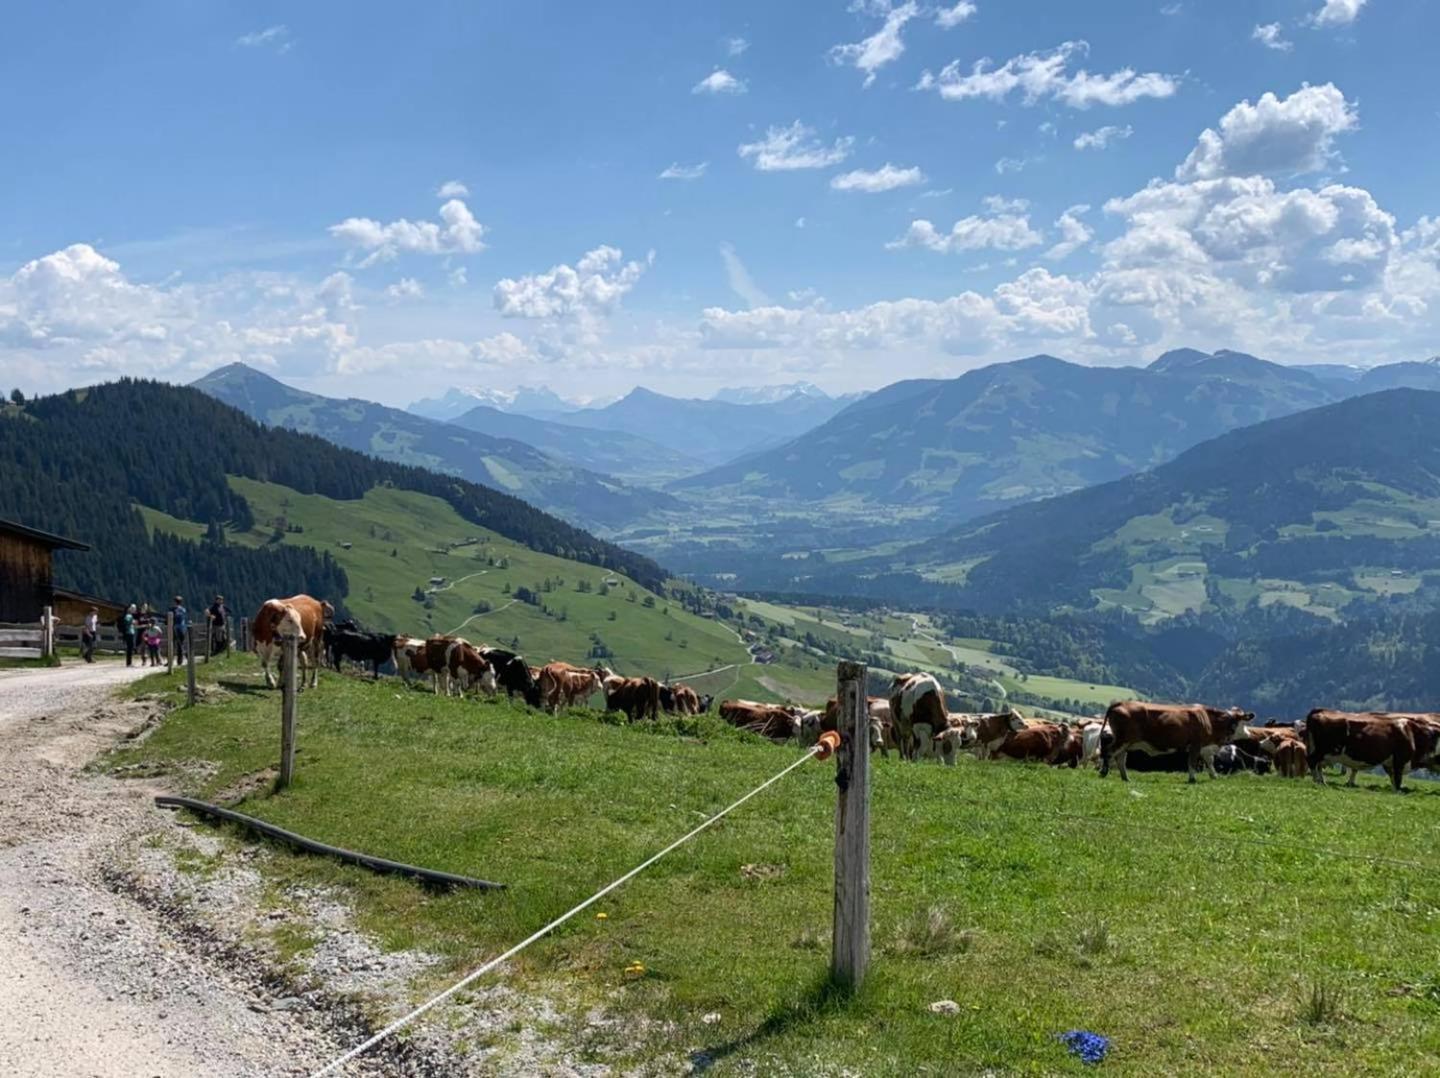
182,626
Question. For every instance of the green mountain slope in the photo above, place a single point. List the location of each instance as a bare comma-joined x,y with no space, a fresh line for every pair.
1014,432
1315,511
575,493
79,463
614,452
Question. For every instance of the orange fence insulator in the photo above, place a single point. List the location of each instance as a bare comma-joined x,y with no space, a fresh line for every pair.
829,742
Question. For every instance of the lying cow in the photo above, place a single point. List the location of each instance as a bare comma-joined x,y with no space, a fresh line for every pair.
347,642
1153,729
917,708
637,697
1398,741
299,616
1036,741
768,720
563,685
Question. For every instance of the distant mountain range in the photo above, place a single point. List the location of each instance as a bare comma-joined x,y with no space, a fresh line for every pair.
1030,429
523,400
711,431
1313,512
614,452
769,394
578,494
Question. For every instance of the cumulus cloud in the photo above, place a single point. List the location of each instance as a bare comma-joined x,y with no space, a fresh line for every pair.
1337,13
677,171
1006,165
1274,136
276,38
405,288
741,283
453,189
456,233
1074,233
1102,137
593,286
885,178
794,147
735,46
881,47
719,82
1269,34
948,17
1042,76
1007,228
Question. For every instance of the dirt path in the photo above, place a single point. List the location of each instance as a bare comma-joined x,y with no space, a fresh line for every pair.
94,983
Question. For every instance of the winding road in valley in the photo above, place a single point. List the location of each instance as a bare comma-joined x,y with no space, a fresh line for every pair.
954,655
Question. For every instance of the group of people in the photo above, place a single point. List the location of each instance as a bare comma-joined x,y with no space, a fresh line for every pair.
142,631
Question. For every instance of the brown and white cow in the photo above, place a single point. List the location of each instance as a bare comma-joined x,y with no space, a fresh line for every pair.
637,697
882,734
774,721
1155,729
917,708
1286,748
563,685
467,668
687,700
299,616
1398,741
979,734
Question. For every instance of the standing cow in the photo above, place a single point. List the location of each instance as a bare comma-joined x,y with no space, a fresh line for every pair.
1155,729
563,685
1398,741
299,616
917,708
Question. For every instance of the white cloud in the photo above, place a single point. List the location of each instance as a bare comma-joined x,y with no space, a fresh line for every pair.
1074,233
457,233
795,147
1006,229
1172,9
453,189
405,288
1270,35
719,82
1273,137
880,48
735,46
677,171
1102,137
593,286
949,17
741,283
1006,165
276,38
1039,76
459,277
885,178
1337,13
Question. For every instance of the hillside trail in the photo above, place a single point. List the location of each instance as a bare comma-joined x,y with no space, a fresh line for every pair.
95,983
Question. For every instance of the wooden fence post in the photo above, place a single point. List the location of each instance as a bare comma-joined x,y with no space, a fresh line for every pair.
244,634
190,664
47,632
169,642
289,660
850,947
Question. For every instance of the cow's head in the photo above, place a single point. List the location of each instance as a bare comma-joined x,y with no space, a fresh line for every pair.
1232,723
1013,720
809,728
290,625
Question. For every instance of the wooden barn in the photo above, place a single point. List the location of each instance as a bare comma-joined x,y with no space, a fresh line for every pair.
26,578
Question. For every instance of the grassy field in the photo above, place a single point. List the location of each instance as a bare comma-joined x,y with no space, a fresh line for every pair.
1235,927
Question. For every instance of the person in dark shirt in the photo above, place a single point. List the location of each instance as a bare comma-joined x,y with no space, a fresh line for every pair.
219,617
182,627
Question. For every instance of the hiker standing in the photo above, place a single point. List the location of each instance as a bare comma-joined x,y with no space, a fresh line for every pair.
89,635
129,627
219,618
182,626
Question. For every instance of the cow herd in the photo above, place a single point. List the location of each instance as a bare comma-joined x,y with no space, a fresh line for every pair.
914,719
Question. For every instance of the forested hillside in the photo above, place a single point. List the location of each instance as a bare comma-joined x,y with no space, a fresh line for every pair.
79,463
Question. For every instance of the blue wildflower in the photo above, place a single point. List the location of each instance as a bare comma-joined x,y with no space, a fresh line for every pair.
1091,1047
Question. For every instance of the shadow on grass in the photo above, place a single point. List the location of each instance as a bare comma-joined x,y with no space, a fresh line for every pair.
824,998
246,688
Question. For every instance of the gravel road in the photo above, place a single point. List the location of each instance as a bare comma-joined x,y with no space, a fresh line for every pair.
93,982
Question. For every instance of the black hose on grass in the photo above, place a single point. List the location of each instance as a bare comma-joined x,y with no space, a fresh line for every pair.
309,845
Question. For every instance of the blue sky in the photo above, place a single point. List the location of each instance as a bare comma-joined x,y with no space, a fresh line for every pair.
857,192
